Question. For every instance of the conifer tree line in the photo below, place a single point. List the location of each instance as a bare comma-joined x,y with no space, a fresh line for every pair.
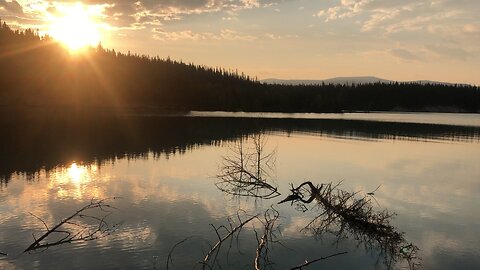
35,71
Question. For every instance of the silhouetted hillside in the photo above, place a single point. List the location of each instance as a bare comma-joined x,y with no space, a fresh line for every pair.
38,72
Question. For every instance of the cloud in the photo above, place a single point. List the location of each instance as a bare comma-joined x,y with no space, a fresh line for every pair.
12,6
404,55
179,35
346,9
279,37
471,28
225,34
168,10
137,14
393,16
409,19
450,52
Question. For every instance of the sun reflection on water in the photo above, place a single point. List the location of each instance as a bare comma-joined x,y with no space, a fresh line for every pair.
74,181
76,173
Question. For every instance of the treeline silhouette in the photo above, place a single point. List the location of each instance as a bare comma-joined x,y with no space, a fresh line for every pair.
37,72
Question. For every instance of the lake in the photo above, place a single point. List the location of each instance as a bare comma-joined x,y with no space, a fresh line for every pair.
169,195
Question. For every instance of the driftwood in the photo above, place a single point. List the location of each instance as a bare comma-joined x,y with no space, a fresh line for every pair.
73,228
344,214
247,171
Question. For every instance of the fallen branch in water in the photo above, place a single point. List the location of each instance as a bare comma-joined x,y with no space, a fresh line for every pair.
169,257
307,263
261,254
345,214
216,248
74,229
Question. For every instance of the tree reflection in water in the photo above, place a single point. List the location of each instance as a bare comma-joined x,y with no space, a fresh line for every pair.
341,213
248,170
347,215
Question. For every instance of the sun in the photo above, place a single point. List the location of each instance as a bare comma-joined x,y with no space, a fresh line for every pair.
74,26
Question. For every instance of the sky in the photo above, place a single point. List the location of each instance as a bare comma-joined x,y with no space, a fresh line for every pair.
286,39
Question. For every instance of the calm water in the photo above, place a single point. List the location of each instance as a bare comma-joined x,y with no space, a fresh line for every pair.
162,169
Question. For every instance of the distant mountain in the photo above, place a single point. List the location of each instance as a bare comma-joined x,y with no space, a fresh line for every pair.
349,81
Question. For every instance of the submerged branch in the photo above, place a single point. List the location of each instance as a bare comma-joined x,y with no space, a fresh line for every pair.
169,257
261,254
345,214
83,232
220,241
307,263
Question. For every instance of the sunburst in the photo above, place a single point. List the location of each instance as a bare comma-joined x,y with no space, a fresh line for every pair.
75,27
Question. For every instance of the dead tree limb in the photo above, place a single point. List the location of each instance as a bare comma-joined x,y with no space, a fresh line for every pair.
218,244
169,257
307,263
270,217
347,214
83,232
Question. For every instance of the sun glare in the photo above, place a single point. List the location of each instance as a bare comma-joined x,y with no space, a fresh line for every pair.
75,27
76,172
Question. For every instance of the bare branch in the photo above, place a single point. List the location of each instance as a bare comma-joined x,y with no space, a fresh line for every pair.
347,214
169,258
217,246
261,254
83,233
307,263
45,224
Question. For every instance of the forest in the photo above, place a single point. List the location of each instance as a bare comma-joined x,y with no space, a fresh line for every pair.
37,72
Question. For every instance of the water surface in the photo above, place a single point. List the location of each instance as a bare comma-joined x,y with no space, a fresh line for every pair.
162,169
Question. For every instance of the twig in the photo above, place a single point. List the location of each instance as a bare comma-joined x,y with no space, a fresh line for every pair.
373,192
261,254
307,263
221,240
169,258
45,224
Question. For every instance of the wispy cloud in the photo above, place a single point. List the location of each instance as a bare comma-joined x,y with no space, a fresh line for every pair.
346,9
12,6
392,16
404,54
450,52
225,34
